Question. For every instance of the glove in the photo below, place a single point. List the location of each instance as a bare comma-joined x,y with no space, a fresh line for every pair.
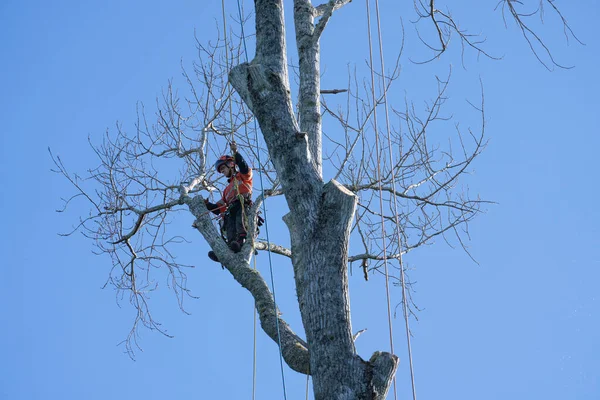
233,147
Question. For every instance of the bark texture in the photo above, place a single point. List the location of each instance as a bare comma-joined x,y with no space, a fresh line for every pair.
307,42
321,215
293,348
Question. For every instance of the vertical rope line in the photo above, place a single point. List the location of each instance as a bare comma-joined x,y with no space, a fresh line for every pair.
235,181
254,348
236,186
227,67
377,151
307,379
264,207
395,201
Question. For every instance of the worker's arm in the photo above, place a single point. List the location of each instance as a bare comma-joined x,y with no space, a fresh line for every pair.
239,160
214,208
241,163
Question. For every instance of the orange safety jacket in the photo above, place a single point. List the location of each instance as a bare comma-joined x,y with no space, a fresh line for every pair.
230,194
238,184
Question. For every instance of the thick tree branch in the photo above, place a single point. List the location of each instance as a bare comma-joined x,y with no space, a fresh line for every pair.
273,248
293,348
324,20
384,367
307,43
323,8
267,94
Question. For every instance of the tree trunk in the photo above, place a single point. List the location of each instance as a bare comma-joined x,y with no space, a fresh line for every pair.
320,214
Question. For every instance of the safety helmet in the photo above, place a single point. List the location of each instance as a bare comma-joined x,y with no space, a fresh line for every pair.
223,160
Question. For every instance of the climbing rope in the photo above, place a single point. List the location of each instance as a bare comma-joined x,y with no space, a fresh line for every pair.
227,67
235,181
254,347
395,201
394,197
377,151
264,209
307,379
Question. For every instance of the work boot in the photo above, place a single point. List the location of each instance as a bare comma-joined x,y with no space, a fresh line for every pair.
235,246
213,256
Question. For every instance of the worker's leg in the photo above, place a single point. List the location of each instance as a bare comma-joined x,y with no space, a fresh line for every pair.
232,227
240,224
230,224
227,228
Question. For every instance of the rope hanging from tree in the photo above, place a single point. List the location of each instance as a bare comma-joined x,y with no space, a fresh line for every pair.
232,125
227,68
395,202
394,198
264,209
377,151
254,346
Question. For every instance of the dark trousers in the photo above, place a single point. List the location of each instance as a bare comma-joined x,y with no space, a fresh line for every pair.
235,222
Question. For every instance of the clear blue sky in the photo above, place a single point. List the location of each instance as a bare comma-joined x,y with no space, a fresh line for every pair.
522,324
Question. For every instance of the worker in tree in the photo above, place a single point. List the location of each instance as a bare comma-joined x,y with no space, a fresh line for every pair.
236,201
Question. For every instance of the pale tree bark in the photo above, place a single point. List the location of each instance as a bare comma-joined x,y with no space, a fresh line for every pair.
321,215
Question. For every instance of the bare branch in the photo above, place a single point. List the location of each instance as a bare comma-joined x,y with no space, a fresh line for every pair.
293,348
333,91
534,41
273,248
445,24
321,9
325,11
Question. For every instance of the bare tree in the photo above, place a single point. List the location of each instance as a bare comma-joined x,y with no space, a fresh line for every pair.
388,205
